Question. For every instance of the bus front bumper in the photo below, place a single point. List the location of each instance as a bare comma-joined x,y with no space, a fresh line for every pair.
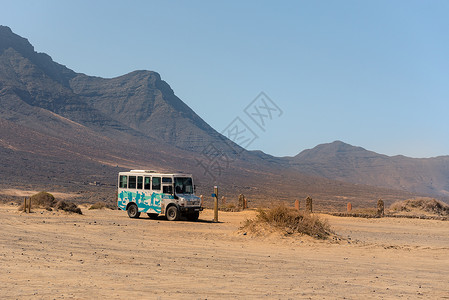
189,210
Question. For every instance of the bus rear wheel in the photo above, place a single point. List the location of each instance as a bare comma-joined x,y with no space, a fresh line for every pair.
172,213
133,211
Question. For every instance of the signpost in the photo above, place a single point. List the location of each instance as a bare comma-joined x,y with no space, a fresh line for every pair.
215,195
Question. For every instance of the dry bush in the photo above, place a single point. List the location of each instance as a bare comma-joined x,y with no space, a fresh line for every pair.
289,221
68,206
101,205
47,201
421,204
229,207
365,211
41,200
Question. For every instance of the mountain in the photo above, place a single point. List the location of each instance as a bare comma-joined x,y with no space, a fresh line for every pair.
341,161
65,131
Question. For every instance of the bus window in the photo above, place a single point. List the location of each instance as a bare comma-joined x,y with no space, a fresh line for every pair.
132,182
156,183
166,180
123,182
167,189
139,182
147,184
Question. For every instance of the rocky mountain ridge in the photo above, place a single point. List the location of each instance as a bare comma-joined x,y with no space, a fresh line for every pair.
65,129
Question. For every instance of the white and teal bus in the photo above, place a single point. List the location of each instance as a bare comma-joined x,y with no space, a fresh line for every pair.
142,191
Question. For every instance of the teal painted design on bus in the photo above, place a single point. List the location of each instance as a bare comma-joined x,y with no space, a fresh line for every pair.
145,203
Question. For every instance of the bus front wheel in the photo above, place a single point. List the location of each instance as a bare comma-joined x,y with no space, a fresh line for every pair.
172,213
133,211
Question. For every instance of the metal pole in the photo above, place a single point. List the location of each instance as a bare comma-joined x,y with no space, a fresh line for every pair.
215,204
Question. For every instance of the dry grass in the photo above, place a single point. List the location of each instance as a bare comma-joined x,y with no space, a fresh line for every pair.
101,205
68,206
425,205
41,200
288,221
47,201
365,211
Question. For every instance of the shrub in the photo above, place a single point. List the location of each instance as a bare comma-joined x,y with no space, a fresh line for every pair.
47,201
68,206
289,221
43,199
423,204
101,205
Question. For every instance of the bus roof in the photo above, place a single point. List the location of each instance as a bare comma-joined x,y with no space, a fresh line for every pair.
154,173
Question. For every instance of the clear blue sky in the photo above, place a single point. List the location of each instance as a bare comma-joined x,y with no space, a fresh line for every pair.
371,73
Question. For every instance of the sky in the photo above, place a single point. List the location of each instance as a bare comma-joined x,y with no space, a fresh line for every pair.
373,74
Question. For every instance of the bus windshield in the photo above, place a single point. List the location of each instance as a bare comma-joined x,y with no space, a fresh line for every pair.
183,185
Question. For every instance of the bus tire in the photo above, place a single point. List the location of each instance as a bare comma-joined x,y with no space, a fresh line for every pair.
133,211
193,216
172,213
153,215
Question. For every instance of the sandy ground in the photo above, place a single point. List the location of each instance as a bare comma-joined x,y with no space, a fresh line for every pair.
104,254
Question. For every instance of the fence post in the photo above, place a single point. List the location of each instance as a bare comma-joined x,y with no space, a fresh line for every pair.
297,204
349,208
215,195
29,205
309,204
241,203
380,208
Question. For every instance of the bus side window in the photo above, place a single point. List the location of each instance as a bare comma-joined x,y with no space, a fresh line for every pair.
132,182
139,182
166,180
167,189
123,182
156,183
147,184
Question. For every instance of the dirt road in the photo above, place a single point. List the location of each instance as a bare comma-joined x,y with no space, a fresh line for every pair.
104,254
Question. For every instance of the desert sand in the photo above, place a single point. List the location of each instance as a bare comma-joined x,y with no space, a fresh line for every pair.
104,254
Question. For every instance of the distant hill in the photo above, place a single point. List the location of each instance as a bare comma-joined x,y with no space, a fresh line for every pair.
67,131
341,161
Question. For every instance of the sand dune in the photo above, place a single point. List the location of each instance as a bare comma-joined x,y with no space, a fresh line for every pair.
104,254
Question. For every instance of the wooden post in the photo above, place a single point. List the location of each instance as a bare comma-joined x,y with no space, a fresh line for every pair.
309,204
245,202
297,204
223,200
380,208
215,194
25,204
29,205
242,199
349,208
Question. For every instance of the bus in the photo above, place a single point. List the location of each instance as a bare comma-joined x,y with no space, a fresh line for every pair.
155,193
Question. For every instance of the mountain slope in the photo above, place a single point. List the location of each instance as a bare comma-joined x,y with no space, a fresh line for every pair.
340,161
66,130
